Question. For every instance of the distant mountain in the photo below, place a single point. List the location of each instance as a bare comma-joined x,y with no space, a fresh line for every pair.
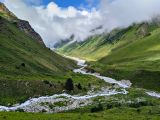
124,53
64,42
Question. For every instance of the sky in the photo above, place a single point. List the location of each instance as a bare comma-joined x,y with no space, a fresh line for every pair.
76,3
57,20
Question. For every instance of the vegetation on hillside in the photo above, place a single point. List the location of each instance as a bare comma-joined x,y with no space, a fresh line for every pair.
129,53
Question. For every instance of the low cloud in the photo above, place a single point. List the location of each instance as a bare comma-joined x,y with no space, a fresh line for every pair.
54,23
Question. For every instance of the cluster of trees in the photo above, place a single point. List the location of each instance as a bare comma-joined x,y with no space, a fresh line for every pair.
69,85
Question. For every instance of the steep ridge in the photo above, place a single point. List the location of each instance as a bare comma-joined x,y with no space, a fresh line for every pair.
4,11
26,27
26,53
21,24
26,63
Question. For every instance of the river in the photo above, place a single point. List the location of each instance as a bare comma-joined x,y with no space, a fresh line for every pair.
73,101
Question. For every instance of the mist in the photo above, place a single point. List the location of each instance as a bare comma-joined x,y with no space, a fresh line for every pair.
55,23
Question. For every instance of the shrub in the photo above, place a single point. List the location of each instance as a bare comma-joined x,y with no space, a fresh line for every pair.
23,65
139,104
43,111
69,84
97,108
46,82
79,86
20,110
17,67
89,85
109,106
138,110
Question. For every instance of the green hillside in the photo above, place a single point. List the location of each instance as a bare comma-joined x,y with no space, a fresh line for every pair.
28,68
99,46
26,64
21,55
131,53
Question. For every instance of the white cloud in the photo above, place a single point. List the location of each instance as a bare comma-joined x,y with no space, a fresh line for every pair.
54,23
125,12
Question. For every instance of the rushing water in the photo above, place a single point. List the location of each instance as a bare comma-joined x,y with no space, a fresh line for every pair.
153,94
34,104
122,83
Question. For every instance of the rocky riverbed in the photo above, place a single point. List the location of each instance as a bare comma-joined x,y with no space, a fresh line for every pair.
65,102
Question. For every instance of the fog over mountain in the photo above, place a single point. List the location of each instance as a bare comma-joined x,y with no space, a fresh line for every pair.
54,23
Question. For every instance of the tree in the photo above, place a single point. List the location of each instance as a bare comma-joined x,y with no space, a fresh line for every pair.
69,84
97,108
23,64
79,86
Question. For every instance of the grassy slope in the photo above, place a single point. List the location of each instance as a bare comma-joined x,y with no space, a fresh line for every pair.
137,61
130,53
16,48
18,82
95,47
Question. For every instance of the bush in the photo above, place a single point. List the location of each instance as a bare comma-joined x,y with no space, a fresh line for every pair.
17,67
97,108
109,106
139,104
89,85
138,110
23,65
43,111
46,82
20,110
69,84
79,86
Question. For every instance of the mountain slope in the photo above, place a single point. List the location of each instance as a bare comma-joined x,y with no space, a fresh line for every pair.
27,67
4,12
24,55
131,53
98,46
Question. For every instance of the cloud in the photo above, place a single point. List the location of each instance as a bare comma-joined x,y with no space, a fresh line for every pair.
125,12
54,23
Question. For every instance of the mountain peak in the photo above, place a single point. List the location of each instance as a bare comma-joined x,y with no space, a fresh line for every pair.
3,8
4,11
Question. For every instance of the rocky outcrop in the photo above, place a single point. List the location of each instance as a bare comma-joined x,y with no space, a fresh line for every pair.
5,10
21,24
26,27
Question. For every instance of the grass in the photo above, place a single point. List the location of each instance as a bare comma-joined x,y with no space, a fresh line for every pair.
138,62
29,69
134,106
96,47
113,114
26,64
21,89
131,53
18,48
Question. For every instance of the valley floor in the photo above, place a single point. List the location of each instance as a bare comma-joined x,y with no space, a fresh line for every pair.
119,102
